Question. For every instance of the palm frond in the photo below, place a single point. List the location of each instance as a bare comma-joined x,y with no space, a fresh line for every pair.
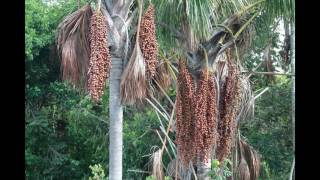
252,158
73,45
280,8
202,16
133,86
162,79
243,170
157,165
246,100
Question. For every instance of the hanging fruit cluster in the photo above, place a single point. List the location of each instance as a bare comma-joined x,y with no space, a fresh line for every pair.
185,125
229,97
100,60
148,41
205,111
201,122
196,115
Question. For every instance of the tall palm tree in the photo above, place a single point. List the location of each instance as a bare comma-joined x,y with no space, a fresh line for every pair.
118,19
193,28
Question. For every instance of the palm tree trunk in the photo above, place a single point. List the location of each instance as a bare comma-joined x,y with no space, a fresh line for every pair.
116,118
116,11
293,50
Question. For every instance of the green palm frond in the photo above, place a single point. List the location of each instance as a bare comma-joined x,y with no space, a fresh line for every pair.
280,8
203,16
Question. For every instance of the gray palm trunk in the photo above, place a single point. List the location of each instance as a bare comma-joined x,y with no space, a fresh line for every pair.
116,121
293,93
116,13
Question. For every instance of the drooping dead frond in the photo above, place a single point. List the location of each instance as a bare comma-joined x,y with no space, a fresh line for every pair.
133,86
148,41
243,170
157,168
133,82
100,59
73,46
185,124
252,159
246,100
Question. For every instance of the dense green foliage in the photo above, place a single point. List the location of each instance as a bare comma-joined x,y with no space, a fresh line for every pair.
66,134
271,132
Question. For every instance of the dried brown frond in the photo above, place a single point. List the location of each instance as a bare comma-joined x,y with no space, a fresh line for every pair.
185,124
148,41
252,159
133,86
243,170
157,169
100,59
73,46
246,100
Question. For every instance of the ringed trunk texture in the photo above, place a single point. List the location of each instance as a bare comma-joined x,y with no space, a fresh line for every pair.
116,118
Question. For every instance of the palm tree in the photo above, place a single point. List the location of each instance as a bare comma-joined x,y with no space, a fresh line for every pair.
196,30
214,26
118,19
